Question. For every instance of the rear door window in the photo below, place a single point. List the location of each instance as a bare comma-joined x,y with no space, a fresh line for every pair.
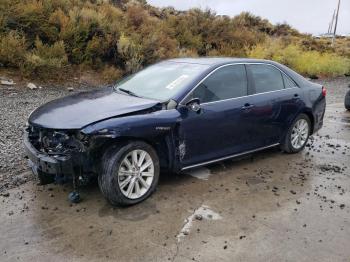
266,78
225,83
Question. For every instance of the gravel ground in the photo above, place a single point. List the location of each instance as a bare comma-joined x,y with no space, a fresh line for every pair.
18,102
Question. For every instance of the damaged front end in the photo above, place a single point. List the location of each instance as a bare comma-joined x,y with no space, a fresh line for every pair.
57,155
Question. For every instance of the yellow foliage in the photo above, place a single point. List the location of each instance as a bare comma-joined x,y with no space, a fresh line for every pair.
311,63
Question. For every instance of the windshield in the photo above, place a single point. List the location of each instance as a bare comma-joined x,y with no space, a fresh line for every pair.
160,81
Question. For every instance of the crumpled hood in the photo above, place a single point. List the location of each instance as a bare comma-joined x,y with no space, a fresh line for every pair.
79,110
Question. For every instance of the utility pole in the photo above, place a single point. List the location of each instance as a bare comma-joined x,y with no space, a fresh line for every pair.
336,24
330,28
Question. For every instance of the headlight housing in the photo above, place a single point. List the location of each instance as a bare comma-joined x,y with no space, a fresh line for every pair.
55,142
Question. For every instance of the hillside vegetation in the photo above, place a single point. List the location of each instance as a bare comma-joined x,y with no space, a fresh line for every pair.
46,38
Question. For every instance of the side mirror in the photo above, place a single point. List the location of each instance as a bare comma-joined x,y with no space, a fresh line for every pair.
194,105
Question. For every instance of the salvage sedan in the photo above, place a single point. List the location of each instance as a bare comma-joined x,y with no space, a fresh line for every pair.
174,115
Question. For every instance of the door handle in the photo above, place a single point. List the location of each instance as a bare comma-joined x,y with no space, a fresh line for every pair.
247,106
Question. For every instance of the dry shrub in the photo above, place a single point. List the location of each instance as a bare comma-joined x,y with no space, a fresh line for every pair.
131,34
184,52
32,17
111,74
45,60
13,49
130,51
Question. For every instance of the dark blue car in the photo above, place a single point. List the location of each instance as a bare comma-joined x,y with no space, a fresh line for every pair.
174,115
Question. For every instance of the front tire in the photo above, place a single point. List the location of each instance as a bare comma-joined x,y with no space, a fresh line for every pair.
297,135
129,174
347,100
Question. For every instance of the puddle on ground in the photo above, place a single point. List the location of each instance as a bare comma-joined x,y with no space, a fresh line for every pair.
255,180
200,173
133,213
203,212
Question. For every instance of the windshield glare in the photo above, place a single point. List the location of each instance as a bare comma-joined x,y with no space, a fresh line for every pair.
161,81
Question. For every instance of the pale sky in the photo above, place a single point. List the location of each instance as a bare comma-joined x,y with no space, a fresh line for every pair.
308,16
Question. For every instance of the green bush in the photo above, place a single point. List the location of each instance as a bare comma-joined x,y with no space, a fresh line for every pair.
45,60
130,51
31,17
13,49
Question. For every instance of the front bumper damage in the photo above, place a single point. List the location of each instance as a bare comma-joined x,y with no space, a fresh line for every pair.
59,168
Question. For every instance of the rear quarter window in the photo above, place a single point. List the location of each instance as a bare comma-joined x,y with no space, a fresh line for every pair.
288,83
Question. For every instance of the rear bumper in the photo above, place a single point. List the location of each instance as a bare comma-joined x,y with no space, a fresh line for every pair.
51,165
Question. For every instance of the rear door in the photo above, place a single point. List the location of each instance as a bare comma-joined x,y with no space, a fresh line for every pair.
276,99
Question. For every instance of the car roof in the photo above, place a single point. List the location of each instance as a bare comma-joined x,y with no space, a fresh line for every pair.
214,62
217,61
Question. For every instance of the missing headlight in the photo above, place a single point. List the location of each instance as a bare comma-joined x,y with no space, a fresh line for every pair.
60,142
54,139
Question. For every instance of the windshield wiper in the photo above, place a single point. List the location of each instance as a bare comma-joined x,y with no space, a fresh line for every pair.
127,91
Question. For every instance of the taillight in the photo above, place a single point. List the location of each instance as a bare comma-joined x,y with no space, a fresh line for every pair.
324,91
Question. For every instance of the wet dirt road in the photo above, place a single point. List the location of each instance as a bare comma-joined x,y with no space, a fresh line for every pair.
266,207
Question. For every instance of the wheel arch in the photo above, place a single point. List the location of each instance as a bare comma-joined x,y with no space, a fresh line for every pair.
306,112
309,114
162,145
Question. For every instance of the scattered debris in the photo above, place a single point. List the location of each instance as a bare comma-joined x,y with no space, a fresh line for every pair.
198,217
31,86
7,194
203,212
329,167
6,82
74,197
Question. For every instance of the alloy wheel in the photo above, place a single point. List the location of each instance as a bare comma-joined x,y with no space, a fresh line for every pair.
300,133
135,174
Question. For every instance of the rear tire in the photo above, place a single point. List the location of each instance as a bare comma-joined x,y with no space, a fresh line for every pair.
297,135
347,100
130,173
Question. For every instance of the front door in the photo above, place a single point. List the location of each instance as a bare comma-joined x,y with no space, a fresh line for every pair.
220,128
